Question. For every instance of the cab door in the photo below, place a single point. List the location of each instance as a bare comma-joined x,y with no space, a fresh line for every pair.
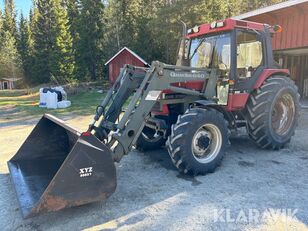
249,60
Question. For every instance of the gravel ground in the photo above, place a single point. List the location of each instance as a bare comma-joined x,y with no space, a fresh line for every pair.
252,190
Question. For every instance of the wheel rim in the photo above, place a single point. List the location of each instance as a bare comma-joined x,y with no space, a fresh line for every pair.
206,143
150,135
283,114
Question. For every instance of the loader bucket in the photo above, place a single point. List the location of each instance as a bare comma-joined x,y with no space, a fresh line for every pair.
58,167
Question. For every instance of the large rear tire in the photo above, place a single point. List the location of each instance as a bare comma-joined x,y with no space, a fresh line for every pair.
272,112
198,141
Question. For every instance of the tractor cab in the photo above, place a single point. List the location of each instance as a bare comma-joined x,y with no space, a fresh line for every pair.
236,48
239,51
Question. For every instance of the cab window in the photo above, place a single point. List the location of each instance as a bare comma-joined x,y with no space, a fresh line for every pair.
211,52
249,53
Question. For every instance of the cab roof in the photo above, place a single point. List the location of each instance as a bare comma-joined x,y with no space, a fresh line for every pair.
224,25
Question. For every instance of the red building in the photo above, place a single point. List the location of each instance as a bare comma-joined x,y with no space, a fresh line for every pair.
124,56
291,45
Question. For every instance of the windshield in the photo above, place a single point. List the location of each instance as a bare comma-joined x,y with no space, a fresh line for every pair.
210,51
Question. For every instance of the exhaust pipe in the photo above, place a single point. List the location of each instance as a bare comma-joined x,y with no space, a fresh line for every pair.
58,167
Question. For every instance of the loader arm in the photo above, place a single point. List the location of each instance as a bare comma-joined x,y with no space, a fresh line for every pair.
145,86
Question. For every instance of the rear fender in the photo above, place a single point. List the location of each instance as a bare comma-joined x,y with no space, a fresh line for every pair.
268,73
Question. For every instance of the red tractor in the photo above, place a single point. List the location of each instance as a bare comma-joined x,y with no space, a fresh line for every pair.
225,78
252,91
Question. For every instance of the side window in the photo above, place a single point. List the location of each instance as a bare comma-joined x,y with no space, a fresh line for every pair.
249,53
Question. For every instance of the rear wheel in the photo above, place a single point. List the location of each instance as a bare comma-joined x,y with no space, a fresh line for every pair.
149,139
198,140
272,112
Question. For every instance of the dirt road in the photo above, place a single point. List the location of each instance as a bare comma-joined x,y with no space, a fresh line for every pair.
252,190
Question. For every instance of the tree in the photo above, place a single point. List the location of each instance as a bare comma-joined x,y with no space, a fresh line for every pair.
147,31
73,16
9,18
42,42
1,21
68,39
1,36
62,61
9,57
33,17
130,23
52,43
89,47
25,48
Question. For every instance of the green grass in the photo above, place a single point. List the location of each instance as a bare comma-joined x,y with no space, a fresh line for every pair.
83,103
10,93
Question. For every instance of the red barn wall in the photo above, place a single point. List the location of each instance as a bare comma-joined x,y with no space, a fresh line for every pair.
125,57
292,43
294,21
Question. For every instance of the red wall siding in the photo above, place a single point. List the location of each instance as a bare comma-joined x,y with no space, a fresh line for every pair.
118,62
294,21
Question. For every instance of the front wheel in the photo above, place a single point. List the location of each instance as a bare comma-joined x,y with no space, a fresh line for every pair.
198,141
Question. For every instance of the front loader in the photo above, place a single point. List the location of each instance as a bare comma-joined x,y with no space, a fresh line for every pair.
225,78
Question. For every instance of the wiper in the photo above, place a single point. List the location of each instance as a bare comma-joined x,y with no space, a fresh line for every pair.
195,50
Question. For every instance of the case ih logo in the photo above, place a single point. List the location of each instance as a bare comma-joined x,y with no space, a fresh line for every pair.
187,75
85,172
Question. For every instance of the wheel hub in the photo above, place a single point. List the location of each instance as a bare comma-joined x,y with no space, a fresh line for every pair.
206,143
283,114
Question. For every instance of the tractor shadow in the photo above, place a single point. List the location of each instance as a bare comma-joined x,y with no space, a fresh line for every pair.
161,157
240,147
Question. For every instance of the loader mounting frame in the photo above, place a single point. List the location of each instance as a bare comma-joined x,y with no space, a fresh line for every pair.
150,83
